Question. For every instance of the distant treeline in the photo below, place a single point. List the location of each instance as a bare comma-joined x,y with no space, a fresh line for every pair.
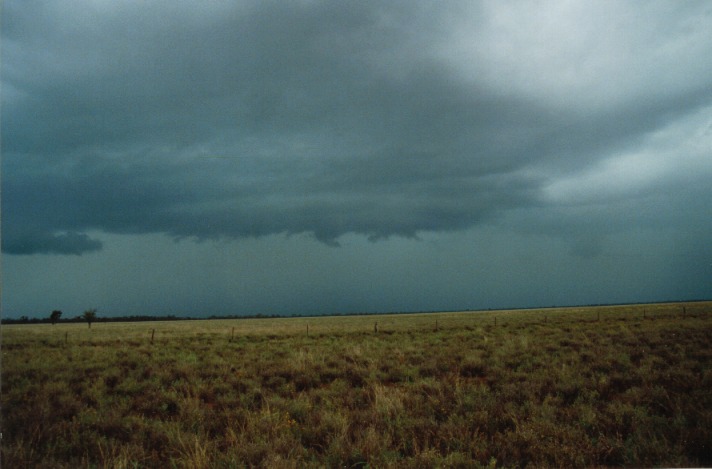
48,320
136,318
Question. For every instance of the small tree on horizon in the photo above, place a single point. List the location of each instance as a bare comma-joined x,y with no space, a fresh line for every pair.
89,315
54,317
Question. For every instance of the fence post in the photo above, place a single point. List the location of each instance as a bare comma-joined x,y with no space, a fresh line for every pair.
153,332
375,327
232,334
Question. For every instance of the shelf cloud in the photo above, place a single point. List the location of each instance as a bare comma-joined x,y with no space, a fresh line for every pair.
234,120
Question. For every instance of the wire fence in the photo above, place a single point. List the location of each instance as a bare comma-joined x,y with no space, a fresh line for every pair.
315,327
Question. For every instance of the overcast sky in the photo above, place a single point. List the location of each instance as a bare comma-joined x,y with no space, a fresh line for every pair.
315,157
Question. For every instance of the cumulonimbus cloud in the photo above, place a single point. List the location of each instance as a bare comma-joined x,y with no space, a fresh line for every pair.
370,118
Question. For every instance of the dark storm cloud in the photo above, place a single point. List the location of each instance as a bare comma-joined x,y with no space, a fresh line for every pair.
63,243
235,120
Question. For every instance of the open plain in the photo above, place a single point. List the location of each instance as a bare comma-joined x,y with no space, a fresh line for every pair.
560,387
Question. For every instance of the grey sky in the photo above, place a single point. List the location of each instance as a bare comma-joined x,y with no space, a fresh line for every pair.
298,157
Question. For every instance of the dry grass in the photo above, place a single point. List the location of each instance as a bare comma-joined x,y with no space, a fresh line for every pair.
556,388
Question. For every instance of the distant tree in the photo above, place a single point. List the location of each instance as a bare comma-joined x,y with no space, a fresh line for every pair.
89,315
54,317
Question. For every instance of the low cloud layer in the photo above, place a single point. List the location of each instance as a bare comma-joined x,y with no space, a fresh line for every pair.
233,120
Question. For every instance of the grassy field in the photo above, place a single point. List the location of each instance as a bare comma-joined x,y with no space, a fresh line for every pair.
570,387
